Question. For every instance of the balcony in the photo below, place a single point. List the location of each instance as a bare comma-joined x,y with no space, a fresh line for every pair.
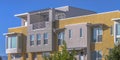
39,25
15,38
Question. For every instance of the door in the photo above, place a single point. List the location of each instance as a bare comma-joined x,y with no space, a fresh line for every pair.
81,56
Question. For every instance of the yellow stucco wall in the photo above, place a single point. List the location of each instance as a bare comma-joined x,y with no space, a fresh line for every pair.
22,30
104,18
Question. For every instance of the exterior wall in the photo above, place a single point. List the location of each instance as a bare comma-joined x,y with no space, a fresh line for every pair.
48,29
22,30
76,41
105,19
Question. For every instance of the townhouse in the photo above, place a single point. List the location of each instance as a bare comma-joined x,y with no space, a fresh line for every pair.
42,32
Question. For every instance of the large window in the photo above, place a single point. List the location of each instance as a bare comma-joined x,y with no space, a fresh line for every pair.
12,42
38,39
96,55
70,33
97,34
32,39
45,38
118,29
60,38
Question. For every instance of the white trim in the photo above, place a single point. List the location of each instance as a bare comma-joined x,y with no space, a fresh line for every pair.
18,15
91,14
75,24
115,19
17,27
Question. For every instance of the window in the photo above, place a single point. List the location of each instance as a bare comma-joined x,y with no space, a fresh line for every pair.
15,56
97,34
38,39
70,33
34,56
12,42
46,54
118,29
96,55
110,50
32,39
118,40
45,38
111,30
80,32
60,38
60,16
9,42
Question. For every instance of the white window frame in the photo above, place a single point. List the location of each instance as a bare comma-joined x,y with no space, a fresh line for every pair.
61,38
38,40
98,30
45,38
32,38
9,46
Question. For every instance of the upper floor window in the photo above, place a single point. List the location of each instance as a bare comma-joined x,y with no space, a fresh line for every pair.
97,34
81,32
38,39
45,38
60,38
118,29
32,39
96,55
70,33
60,16
111,30
12,42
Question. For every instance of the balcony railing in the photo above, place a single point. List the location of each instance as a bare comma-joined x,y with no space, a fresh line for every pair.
39,25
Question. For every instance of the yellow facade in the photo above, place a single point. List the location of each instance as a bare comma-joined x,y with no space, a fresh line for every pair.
103,18
22,30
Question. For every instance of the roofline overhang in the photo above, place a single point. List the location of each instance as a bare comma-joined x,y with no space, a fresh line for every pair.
21,15
11,33
116,19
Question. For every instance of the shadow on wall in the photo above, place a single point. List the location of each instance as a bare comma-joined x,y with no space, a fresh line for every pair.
105,27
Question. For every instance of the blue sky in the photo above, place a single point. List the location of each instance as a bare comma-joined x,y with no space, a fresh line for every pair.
11,7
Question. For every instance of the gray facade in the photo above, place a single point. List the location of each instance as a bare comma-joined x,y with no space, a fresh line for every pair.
77,42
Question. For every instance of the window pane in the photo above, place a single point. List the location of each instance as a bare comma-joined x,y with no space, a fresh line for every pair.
60,38
70,33
94,34
111,30
118,29
118,40
93,55
14,42
38,39
31,39
45,38
80,32
97,34
46,54
9,42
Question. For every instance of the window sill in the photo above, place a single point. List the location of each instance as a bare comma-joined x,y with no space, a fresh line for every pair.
96,42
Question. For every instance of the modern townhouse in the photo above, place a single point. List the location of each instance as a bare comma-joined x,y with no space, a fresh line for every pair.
42,32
